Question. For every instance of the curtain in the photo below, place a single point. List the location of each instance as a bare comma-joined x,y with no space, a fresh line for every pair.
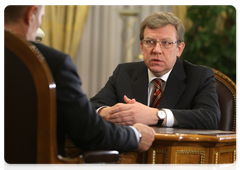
63,27
180,9
101,48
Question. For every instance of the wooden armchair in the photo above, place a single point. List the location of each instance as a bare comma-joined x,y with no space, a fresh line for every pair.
30,109
226,90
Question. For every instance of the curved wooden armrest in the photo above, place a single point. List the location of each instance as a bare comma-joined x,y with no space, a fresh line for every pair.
92,160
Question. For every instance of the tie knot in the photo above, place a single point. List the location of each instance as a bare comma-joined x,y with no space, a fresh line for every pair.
157,82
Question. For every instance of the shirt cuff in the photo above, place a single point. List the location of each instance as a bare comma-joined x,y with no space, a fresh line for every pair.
170,118
101,108
137,133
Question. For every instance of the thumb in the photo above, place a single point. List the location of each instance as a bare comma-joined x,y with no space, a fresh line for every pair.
129,101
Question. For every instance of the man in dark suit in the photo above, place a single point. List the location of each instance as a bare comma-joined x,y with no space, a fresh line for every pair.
76,117
187,93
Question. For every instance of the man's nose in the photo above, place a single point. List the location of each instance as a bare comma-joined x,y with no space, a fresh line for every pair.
157,48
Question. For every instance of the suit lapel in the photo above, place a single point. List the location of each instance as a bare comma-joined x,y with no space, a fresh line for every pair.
140,85
174,88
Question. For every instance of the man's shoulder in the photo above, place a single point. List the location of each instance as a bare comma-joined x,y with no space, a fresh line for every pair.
43,47
53,57
190,66
196,70
132,69
48,51
132,65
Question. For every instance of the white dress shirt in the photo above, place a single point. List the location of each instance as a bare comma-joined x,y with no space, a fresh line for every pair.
170,118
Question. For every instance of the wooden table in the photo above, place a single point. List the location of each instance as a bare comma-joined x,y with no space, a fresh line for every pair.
184,146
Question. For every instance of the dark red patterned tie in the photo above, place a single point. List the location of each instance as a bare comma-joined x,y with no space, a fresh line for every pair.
157,93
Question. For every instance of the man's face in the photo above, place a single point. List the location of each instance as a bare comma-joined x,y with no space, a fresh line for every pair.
158,59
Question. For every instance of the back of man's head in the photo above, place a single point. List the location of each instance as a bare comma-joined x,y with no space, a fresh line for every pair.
11,10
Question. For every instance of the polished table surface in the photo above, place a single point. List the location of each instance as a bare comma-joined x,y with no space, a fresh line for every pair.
175,134
187,146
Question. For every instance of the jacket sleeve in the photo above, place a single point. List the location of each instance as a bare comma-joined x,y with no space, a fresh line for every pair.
107,96
84,126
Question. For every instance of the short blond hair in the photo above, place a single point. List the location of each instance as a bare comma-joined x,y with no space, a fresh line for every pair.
160,19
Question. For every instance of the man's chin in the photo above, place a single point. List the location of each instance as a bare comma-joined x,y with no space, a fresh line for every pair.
157,72
156,68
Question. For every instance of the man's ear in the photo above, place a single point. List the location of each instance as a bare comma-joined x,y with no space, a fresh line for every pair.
180,47
141,45
30,14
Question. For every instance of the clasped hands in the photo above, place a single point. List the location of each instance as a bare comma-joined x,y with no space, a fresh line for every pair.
130,113
136,114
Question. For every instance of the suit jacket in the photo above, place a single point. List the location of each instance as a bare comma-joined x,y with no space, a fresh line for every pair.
190,92
76,116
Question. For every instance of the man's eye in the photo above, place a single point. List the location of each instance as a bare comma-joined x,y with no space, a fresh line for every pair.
165,42
150,41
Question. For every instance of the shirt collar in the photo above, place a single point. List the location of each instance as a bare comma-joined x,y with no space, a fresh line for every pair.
151,76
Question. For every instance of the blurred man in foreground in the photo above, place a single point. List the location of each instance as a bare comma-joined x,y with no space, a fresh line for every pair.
76,117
